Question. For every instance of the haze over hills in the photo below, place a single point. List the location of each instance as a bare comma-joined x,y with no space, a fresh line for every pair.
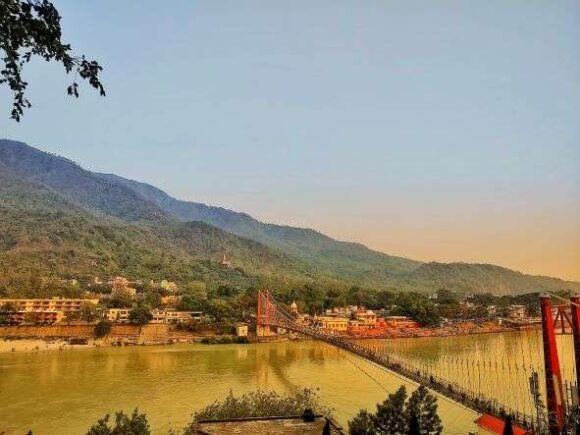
57,217
330,256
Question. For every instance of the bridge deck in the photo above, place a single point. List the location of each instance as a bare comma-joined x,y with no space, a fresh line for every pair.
469,399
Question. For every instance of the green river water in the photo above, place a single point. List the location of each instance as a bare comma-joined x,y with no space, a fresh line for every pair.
65,392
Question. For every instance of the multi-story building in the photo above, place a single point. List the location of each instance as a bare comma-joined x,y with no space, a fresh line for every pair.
366,318
158,316
43,311
118,315
345,311
336,324
121,315
401,322
182,316
34,317
51,304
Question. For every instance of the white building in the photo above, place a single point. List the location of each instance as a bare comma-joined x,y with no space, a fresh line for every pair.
241,330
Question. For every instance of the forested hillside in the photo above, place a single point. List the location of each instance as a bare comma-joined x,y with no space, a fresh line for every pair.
58,219
335,258
467,278
44,235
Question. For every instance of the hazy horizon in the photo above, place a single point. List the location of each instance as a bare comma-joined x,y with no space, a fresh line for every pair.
438,132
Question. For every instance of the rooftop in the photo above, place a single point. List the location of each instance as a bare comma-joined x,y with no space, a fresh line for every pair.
497,425
295,425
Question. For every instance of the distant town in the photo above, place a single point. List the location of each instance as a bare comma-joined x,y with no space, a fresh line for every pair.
109,304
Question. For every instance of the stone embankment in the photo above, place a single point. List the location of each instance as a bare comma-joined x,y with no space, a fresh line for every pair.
120,334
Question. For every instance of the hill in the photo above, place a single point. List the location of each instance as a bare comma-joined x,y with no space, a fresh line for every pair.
340,259
44,234
467,278
61,214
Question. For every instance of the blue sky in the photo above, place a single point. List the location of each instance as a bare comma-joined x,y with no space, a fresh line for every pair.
444,130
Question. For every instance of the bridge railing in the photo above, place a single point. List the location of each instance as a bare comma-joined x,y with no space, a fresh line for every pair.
275,316
449,389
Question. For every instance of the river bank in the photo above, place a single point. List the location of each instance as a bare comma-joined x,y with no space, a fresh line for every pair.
34,345
65,337
462,328
456,329
62,337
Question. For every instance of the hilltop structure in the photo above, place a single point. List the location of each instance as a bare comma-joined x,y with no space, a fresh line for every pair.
226,261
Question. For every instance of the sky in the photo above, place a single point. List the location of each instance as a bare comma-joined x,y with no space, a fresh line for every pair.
439,131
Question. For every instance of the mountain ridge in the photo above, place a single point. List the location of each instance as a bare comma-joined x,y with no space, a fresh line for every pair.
303,243
44,235
189,228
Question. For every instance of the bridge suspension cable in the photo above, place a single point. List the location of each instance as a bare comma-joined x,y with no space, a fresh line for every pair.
473,396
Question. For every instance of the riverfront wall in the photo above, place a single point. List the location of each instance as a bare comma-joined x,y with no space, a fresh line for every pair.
158,333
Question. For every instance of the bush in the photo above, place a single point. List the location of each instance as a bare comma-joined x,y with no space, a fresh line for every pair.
135,424
140,316
263,404
102,328
224,339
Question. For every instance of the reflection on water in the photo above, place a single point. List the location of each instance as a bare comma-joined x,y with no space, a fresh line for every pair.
64,392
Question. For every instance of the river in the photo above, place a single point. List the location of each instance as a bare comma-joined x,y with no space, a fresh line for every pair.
54,392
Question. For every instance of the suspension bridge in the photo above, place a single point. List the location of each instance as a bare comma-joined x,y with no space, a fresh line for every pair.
555,409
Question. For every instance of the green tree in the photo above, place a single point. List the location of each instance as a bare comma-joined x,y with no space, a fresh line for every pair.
140,316
191,303
386,298
419,308
414,426
152,299
450,310
32,28
263,404
484,299
314,297
120,300
390,416
227,291
197,289
445,296
89,312
134,424
362,424
399,416
102,328
422,414
479,312
221,310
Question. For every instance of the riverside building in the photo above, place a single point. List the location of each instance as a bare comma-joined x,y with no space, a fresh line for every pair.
44,311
